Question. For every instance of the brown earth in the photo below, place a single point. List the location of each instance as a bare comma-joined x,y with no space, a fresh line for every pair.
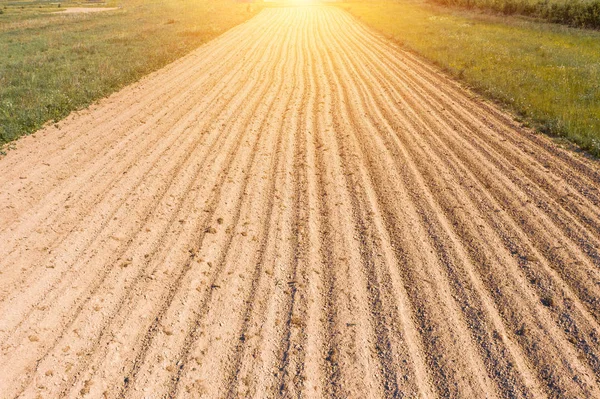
298,208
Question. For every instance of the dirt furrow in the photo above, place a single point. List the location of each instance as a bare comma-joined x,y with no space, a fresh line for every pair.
150,223
190,248
464,240
298,209
357,124
542,300
588,321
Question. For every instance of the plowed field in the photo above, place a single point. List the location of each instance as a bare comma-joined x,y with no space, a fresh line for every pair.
297,209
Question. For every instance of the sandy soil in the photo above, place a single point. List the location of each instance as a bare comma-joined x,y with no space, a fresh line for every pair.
85,10
297,208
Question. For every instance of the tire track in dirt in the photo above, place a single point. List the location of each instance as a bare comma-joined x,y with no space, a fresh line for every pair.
298,209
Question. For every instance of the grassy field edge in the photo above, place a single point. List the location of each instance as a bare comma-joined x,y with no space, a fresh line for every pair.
576,13
546,75
55,64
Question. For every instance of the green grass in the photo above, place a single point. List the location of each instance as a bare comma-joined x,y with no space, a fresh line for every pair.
578,13
52,64
549,75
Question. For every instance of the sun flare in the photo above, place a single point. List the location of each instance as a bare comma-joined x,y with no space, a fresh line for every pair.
301,2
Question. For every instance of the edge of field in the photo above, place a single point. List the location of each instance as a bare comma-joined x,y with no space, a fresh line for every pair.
58,64
545,80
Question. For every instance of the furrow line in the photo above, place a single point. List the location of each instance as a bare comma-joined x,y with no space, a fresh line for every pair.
164,79
147,341
464,239
252,297
96,287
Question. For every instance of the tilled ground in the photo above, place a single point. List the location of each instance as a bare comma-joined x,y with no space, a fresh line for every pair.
297,208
